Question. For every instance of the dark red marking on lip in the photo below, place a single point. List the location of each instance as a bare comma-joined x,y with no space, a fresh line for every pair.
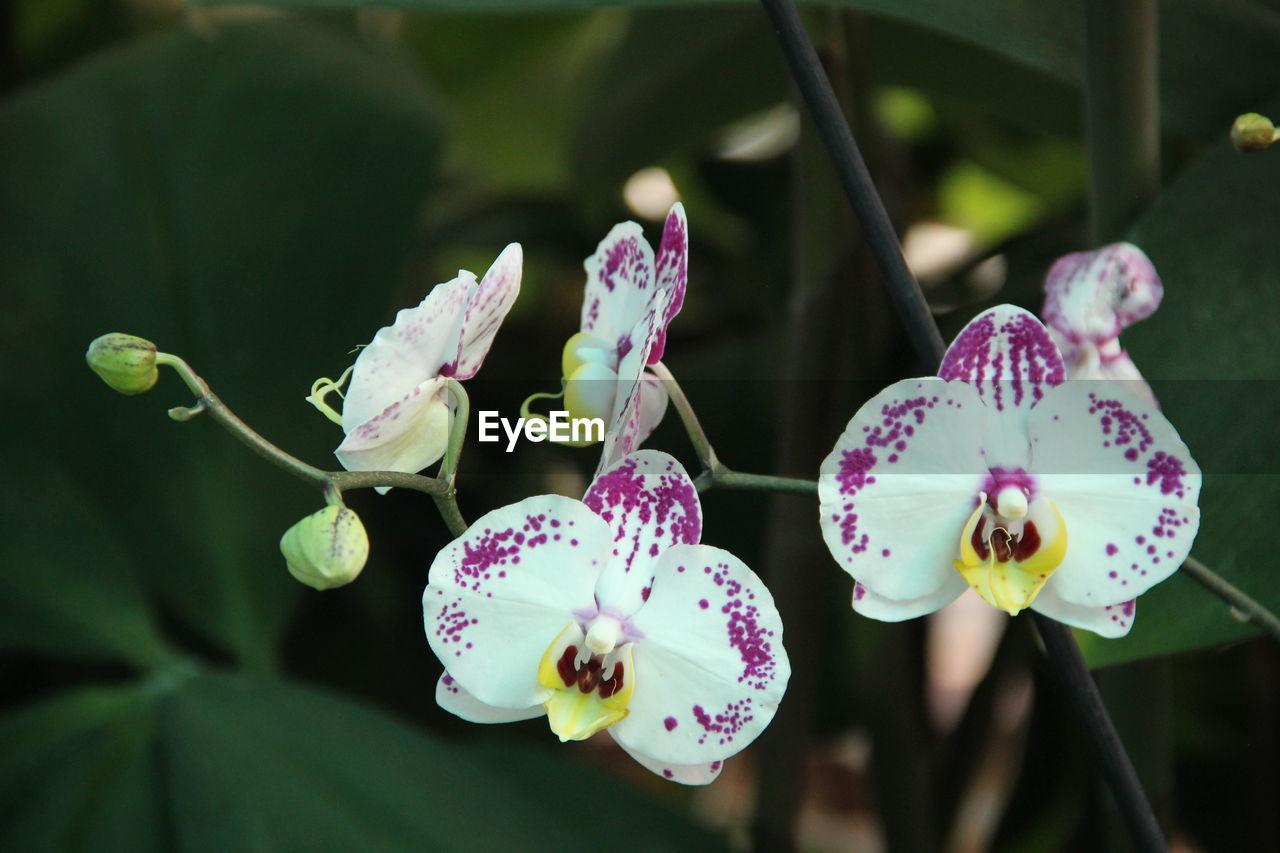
567,666
1028,543
978,541
1002,543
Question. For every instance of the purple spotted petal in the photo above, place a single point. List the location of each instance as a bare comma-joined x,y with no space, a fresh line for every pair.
1126,486
503,590
875,606
455,699
1091,296
710,667
620,285
673,273
407,353
685,774
1111,621
650,505
486,309
1007,355
629,422
901,482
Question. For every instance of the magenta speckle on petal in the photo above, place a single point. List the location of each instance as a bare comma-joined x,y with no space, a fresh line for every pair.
670,723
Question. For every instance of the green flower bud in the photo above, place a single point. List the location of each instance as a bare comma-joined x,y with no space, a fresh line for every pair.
1252,132
125,362
327,548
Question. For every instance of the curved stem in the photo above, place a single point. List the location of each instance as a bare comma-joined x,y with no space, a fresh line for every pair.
715,472
1249,609
331,482
208,403
697,435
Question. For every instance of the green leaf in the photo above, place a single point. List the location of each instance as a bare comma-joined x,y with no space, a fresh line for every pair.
238,763
1216,58
67,585
76,774
246,197
1211,352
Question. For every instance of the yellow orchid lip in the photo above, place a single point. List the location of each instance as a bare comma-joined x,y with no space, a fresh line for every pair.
590,691
1008,561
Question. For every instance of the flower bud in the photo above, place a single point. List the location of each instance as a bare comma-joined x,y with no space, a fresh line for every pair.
327,548
1252,132
125,362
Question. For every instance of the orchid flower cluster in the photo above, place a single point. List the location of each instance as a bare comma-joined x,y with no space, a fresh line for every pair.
1023,471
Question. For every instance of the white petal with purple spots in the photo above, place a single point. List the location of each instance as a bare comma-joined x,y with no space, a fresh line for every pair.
501,592
875,606
896,491
486,308
685,774
672,273
710,667
1126,486
1111,621
455,699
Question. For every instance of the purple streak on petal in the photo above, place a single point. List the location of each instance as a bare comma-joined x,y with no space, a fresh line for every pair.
672,273
1006,354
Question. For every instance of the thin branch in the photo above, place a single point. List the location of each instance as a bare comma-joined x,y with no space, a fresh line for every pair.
1061,649
1249,609
867,206
715,472
208,403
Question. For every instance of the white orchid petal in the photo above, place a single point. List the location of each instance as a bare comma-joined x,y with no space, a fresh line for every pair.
1090,297
455,699
710,667
652,406
875,606
672,264
1004,344
407,353
623,434
1126,486
485,311
685,774
901,482
498,595
1112,620
650,505
620,283
407,436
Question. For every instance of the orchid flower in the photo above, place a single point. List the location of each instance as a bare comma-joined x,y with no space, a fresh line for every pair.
396,412
606,613
1090,298
631,297
1070,498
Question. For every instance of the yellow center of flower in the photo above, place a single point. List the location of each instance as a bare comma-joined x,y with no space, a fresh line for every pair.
1007,554
591,676
590,366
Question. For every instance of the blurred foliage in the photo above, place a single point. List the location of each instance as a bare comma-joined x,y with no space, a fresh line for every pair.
258,191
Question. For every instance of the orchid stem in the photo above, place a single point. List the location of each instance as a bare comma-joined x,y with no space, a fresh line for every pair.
1060,647
1249,609
856,181
715,472
332,483
923,331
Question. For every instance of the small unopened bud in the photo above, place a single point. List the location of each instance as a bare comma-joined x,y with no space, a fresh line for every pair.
1252,132
327,548
125,362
